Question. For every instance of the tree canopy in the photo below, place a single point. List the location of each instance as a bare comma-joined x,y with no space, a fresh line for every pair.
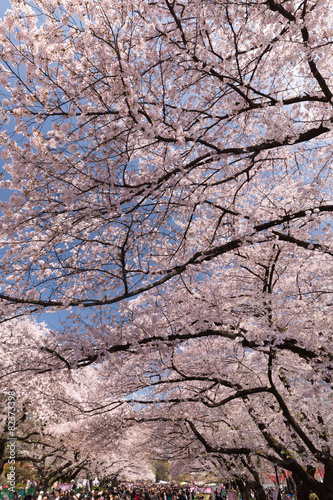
171,172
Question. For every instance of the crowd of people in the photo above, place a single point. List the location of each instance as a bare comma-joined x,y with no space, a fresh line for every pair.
152,492
168,491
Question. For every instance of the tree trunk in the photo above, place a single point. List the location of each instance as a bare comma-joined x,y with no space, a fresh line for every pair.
291,487
244,489
327,493
43,482
256,485
259,491
302,489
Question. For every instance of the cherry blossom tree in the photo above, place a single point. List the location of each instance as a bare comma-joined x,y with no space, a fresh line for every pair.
171,177
279,417
53,459
61,424
156,138
263,402
264,353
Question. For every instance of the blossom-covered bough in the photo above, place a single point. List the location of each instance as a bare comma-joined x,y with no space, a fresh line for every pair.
171,177
155,137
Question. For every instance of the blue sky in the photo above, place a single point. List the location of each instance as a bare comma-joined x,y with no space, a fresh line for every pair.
4,5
